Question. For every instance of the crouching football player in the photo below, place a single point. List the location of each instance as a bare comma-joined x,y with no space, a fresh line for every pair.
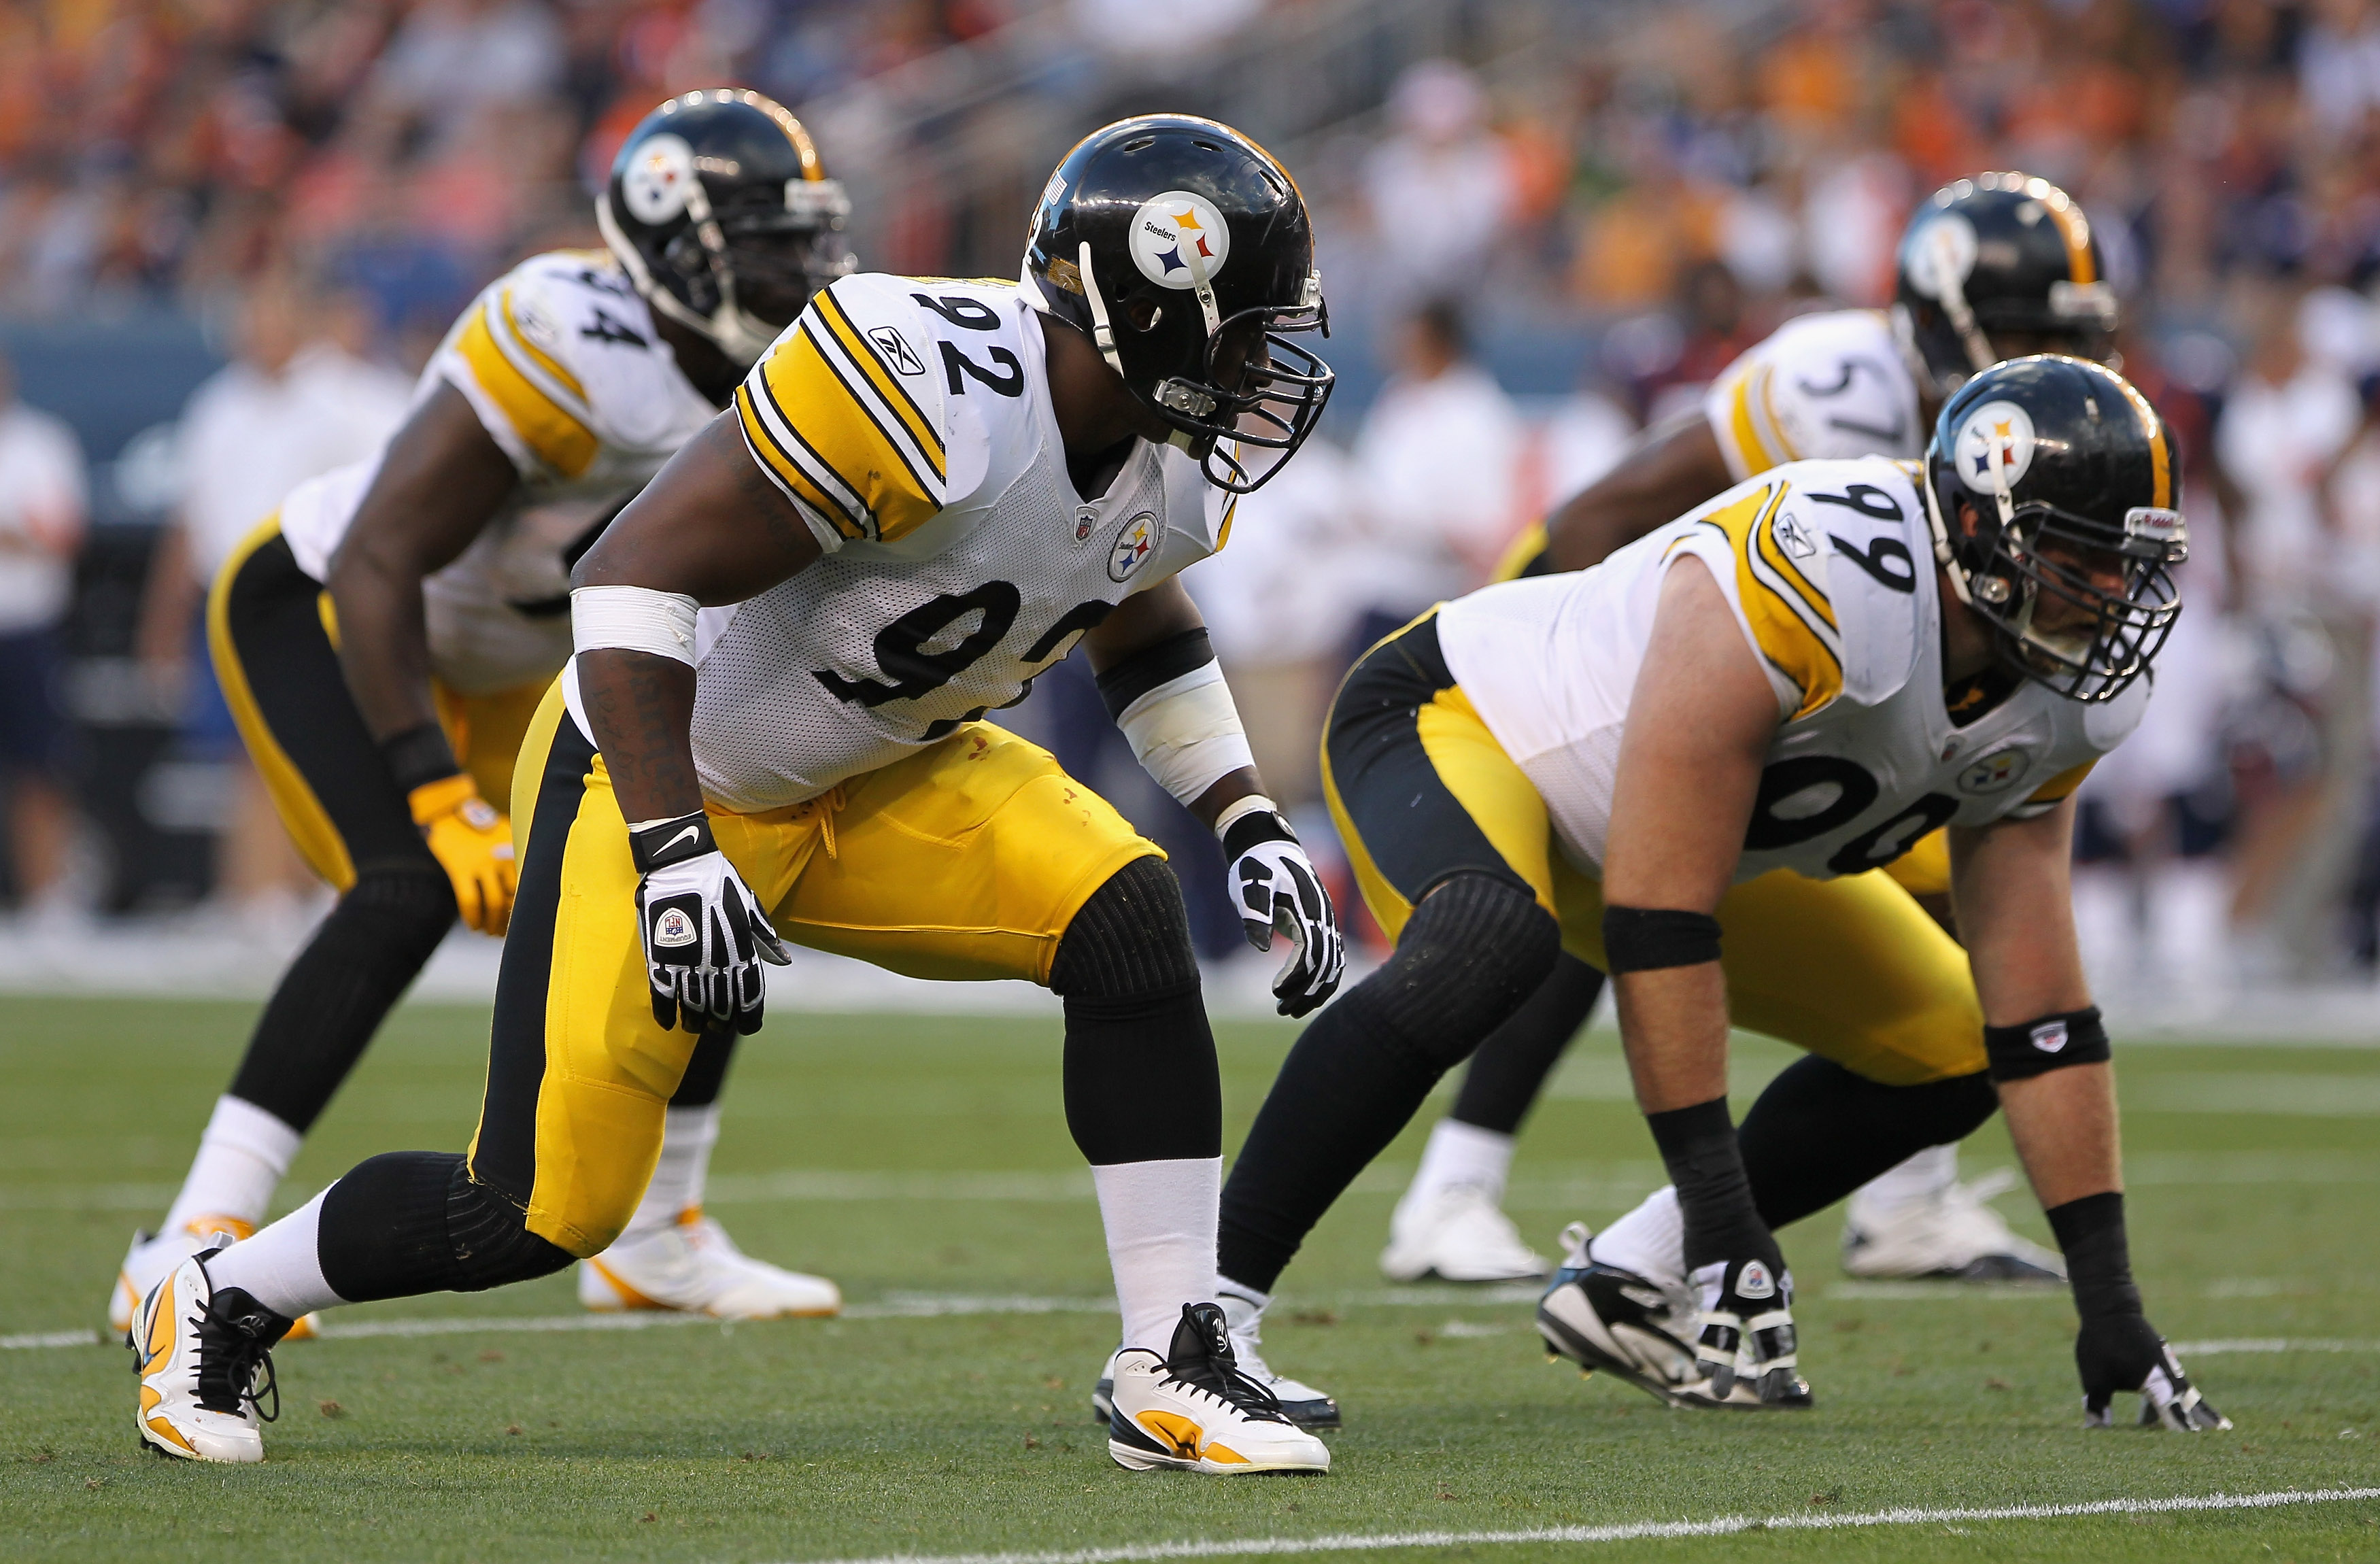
926,492
1811,672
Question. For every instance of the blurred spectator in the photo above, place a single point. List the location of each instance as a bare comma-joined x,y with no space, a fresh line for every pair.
294,402
2287,420
1435,461
42,501
1440,190
454,58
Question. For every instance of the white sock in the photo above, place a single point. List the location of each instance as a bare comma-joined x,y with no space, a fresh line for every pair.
687,1136
1462,1154
240,1160
1918,1182
1650,1240
282,1266
1160,1219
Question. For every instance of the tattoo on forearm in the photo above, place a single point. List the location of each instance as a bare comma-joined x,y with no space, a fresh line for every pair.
640,707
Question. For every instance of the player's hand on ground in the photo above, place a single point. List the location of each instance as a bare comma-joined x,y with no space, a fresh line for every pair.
1274,884
704,934
474,845
2123,1353
1745,1333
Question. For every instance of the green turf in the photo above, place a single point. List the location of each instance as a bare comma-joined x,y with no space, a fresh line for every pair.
812,1440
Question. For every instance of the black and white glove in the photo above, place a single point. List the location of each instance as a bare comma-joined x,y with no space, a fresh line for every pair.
704,934
1745,1332
2124,1353
1275,887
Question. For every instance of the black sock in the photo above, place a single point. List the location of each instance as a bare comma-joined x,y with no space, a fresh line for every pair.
1471,954
1698,1145
1504,1077
340,989
706,1073
1818,1132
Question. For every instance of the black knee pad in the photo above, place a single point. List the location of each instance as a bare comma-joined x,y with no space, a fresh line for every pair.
408,1223
1472,953
1130,937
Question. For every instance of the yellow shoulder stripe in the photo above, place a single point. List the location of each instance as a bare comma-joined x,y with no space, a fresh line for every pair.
838,444
2062,784
779,462
555,435
1792,621
888,385
544,361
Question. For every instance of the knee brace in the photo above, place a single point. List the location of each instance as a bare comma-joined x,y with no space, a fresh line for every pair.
1472,955
1130,937
407,1222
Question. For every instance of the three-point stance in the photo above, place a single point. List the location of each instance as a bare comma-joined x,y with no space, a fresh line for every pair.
384,637
1662,762
927,491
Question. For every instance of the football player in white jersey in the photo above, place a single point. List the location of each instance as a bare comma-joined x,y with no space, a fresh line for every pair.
1680,765
1990,268
443,563
928,492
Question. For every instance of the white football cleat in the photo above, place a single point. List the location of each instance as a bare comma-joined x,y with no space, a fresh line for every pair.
1193,1411
1956,1236
1457,1234
695,1268
1244,1318
153,1256
1633,1328
205,1363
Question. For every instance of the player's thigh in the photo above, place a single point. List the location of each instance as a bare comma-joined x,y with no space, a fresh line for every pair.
1853,969
280,676
1419,788
1924,869
580,1073
965,860
487,732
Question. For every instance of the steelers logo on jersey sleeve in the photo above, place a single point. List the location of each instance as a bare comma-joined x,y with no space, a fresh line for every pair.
1133,545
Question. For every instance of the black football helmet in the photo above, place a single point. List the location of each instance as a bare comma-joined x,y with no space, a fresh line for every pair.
724,218
1182,250
2054,492
1995,266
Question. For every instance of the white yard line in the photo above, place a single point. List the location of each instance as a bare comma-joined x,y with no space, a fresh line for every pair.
2269,1344
1717,1526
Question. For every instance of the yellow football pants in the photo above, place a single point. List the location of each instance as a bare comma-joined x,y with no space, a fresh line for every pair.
274,641
1851,969
965,860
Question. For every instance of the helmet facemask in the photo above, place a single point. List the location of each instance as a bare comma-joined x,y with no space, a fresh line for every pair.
768,256
2029,555
1257,394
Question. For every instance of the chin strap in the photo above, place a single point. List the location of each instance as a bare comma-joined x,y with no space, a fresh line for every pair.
1102,331
729,328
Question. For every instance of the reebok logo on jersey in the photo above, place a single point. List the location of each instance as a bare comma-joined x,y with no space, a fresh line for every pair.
1794,537
897,351
1756,1281
2050,1036
673,928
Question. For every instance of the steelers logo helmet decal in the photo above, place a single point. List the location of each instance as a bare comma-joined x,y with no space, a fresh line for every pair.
1179,239
1941,256
656,181
672,928
1997,432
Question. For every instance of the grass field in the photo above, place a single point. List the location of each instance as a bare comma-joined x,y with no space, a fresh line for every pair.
924,1163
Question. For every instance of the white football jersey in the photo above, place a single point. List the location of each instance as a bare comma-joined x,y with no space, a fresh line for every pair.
908,419
1820,387
559,358
1828,566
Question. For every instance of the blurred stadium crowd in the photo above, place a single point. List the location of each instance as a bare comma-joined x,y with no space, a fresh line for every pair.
231,231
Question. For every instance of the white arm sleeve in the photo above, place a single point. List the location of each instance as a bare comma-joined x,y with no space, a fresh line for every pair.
633,619
1186,732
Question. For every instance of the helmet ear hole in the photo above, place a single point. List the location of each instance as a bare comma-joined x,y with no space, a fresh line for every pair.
1144,314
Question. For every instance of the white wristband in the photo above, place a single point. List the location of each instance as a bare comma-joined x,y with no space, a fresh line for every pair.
1239,809
1186,733
633,619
